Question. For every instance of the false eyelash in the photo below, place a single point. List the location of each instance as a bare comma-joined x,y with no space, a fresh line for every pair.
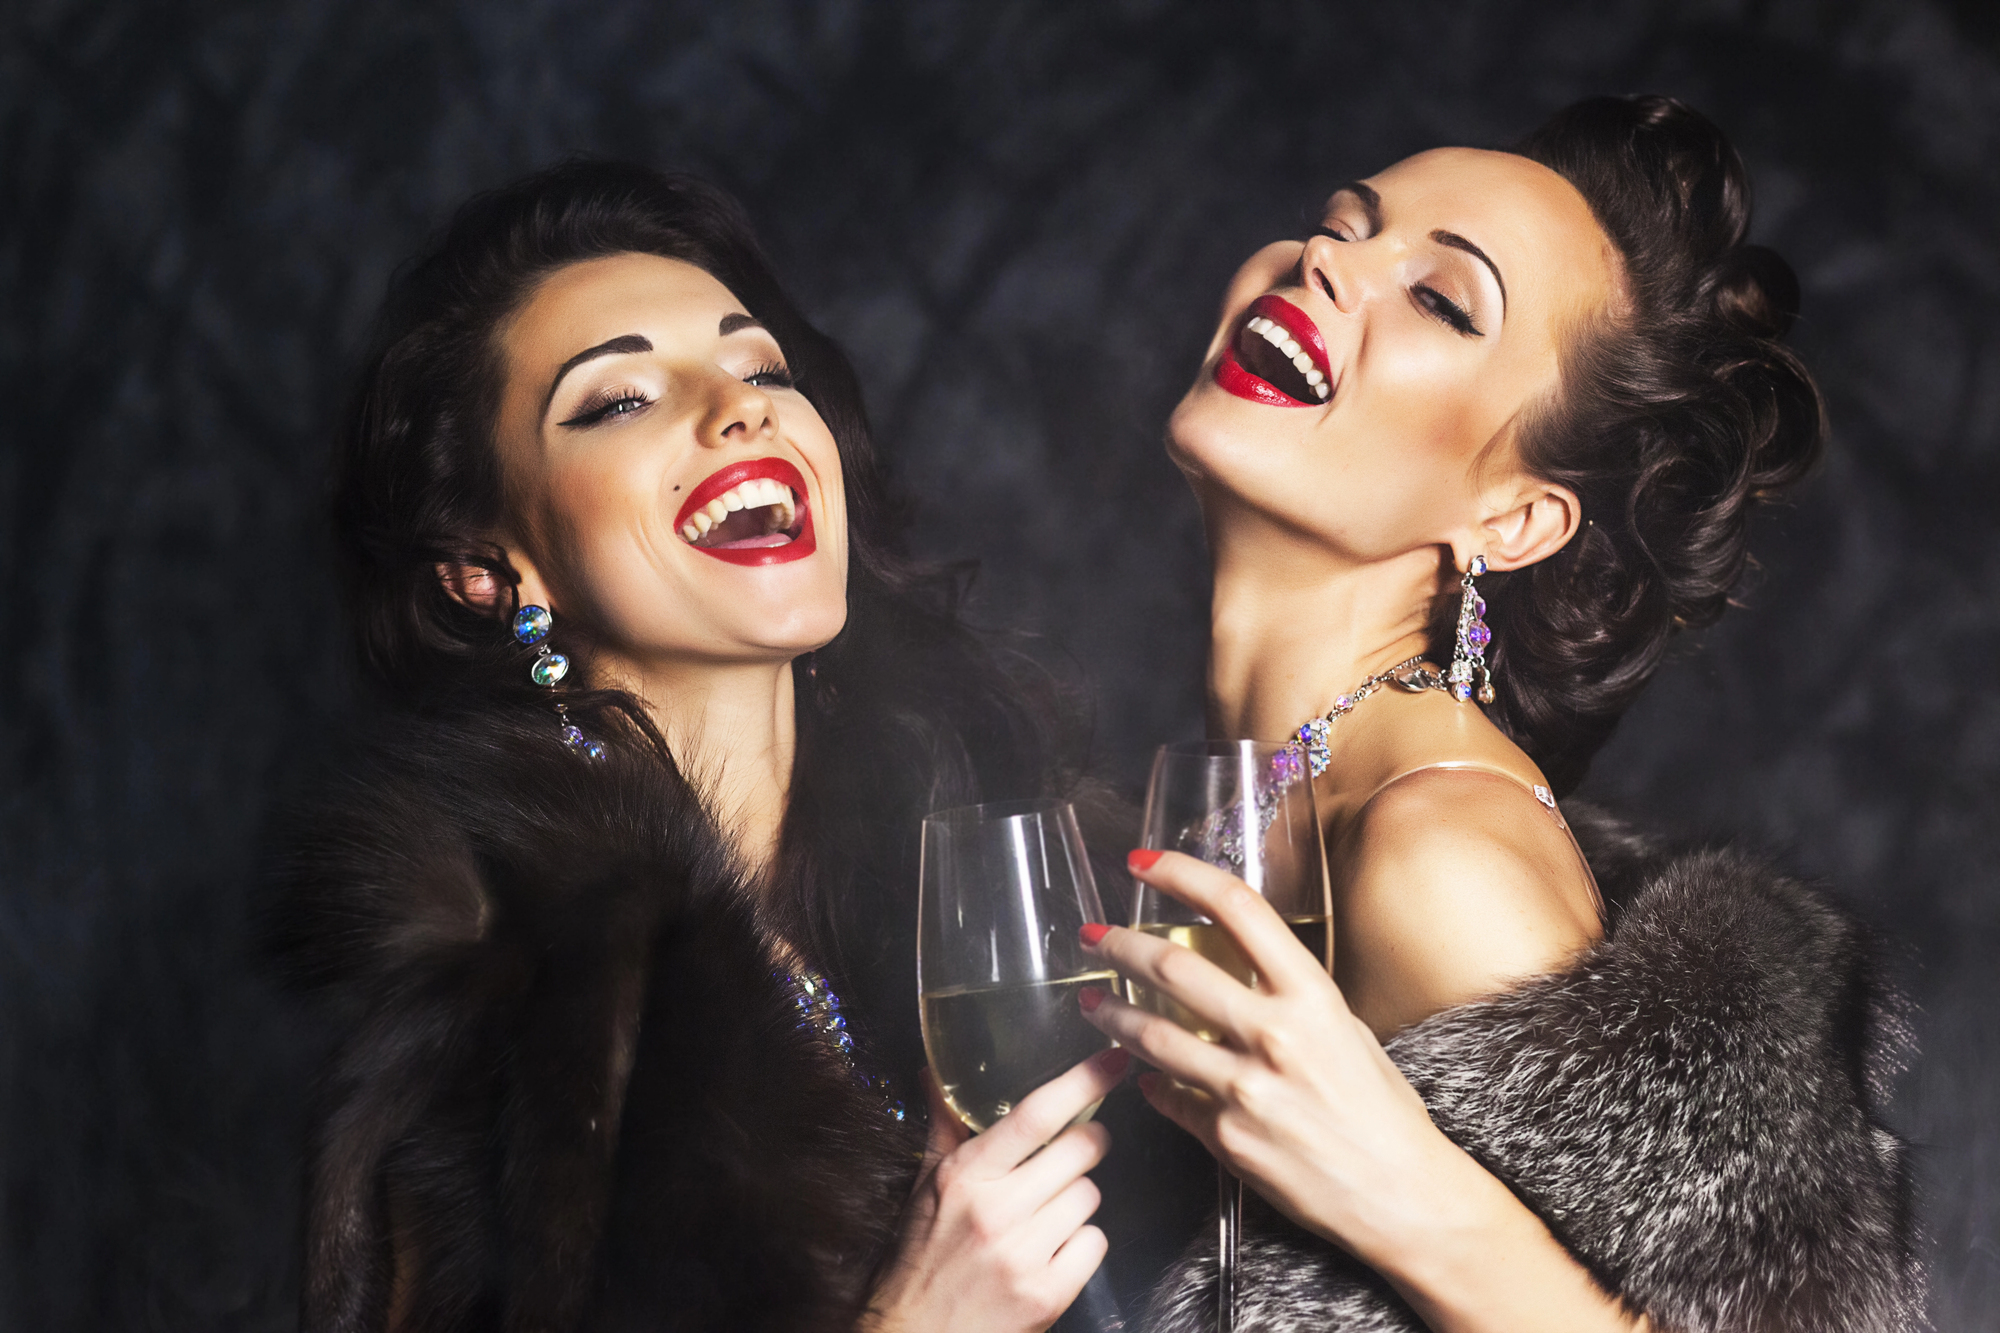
780,376
1448,310
601,405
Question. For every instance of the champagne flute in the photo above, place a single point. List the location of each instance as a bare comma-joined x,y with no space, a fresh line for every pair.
1005,888
1247,808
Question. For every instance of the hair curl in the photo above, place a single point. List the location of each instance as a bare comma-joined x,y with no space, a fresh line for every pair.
1679,411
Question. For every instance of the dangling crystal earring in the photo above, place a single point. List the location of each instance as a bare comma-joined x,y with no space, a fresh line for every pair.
531,626
1469,658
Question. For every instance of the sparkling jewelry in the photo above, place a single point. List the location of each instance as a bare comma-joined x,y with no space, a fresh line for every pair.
821,1014
531,627
1309,742
1469,657
1218,839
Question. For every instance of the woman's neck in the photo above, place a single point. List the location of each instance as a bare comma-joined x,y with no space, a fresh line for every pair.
732,729
1292,627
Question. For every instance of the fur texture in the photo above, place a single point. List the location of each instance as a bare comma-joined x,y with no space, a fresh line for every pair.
1690,1107
570,1092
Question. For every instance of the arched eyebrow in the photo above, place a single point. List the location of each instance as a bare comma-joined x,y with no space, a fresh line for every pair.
1457,242
619,346
736,323
1371,202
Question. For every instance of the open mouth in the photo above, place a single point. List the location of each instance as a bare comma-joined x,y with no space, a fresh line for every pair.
1277,357
749,513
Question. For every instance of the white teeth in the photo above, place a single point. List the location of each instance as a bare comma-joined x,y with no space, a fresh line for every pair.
757,493
1279,337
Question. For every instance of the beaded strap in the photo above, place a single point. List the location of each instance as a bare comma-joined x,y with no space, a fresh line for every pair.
820,1013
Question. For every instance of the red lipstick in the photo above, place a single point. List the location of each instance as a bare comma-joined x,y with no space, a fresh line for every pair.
1261,361
798,541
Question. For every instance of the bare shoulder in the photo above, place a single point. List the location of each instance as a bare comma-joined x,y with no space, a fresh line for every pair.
1451,884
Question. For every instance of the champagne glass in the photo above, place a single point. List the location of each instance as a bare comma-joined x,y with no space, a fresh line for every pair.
1247,808
1005,889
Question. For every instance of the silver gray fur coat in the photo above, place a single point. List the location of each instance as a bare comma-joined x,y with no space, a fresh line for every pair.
1691,1108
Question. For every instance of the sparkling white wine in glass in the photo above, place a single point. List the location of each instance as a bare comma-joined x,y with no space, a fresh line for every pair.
991,1045
1005,888
1247,808
1214,943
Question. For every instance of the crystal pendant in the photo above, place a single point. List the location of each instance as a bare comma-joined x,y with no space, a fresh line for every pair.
532,624
549,668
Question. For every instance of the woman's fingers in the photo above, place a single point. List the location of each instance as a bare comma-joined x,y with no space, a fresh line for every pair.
1191,1109
1076,1150
1161,1042
1078,1259
1059,1219
1044,1113
1282,964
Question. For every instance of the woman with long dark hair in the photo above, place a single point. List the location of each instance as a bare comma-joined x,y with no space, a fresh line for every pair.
615,913
1470,457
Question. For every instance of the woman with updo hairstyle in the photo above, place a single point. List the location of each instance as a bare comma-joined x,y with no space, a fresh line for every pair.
1469,457
613,915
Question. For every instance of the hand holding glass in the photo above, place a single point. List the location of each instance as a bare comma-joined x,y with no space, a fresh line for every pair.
1247,808
1005,889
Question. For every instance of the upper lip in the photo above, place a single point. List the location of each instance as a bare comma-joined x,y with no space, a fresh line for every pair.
725,479
1295,322
1277,355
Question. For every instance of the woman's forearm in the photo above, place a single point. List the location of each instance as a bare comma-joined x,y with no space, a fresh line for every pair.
1479,1261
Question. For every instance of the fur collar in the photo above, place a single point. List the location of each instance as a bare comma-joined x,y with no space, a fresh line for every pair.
569,1091
1691,1107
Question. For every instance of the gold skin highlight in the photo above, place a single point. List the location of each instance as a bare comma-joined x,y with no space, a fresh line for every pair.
1332,527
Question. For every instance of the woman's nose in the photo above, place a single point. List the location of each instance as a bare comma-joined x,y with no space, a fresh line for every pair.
737,412
1335,270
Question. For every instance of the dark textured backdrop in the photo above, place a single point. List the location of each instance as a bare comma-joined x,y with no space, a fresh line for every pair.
1018,216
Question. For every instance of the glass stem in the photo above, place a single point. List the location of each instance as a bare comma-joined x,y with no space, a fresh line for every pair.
1228,1224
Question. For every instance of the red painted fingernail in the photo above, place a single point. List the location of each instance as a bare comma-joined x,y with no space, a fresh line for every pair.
1090,997
1140,861
1114,1062
1092,932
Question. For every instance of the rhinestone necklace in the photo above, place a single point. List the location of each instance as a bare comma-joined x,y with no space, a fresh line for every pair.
1219,839
1310,740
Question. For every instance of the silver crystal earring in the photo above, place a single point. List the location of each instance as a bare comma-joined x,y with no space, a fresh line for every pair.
531,627
1468,659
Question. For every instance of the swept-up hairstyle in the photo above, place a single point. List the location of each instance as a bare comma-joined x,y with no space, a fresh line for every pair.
904,711
1679,411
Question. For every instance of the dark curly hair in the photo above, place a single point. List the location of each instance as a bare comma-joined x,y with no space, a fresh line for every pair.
1679,412
904,711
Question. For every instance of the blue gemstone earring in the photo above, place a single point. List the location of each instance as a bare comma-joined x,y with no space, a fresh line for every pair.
1469,658
531,627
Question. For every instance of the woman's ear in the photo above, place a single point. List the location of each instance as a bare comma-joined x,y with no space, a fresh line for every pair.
486,592
1539,522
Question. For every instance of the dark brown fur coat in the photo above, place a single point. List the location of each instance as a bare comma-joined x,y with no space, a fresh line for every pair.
569,1091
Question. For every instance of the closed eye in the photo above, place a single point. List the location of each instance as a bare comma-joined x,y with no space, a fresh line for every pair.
1447,311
